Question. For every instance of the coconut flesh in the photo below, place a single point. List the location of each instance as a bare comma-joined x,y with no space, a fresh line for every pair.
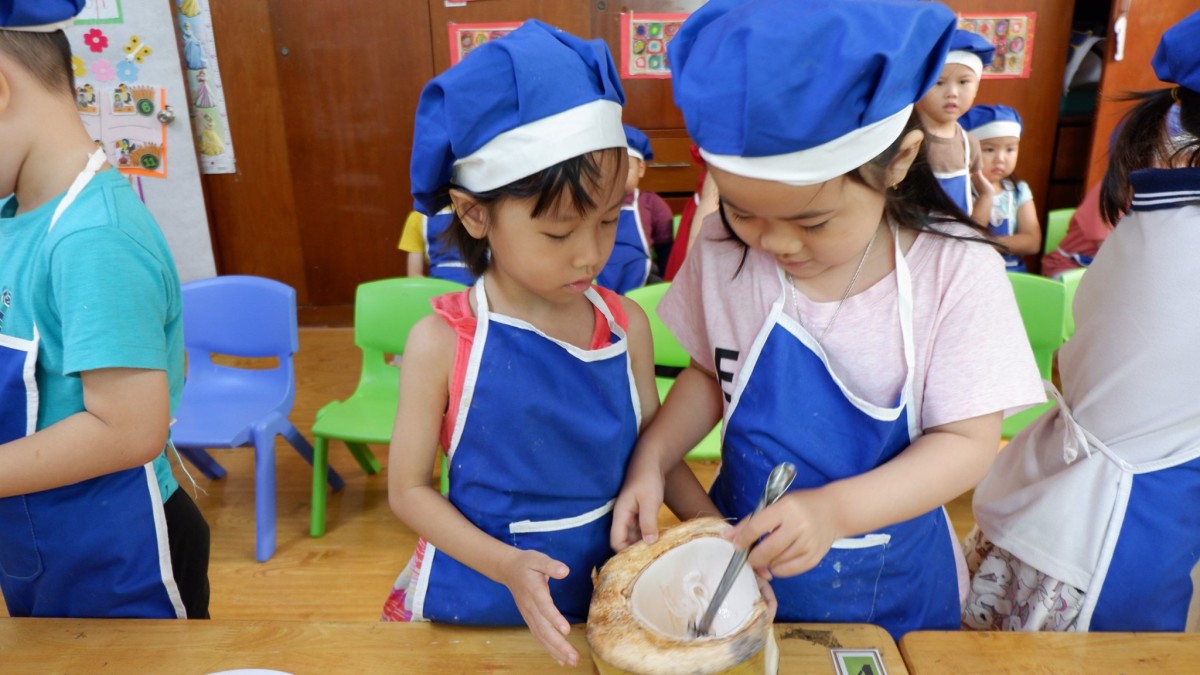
646,595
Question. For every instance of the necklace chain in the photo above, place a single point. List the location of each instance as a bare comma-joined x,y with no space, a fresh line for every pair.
849,287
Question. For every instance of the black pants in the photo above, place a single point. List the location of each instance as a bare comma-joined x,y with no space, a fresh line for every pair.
187,532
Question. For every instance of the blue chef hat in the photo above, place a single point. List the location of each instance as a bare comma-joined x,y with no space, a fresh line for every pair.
971,50
991,121
511,108
1177,58
803,92
639,145
38,15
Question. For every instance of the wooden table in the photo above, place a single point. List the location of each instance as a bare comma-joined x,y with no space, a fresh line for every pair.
965,652
45,646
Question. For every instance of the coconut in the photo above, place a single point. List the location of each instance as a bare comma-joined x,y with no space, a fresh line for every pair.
646,596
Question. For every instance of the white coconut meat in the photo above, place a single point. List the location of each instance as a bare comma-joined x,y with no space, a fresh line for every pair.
646,595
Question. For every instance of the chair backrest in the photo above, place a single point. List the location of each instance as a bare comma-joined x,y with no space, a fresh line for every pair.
384,313
667,350
1057,222
1043,308
1070,281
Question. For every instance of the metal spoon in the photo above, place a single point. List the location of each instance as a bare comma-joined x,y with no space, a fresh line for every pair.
777,483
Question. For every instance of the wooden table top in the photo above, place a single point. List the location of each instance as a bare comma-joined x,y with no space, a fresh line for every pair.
965,652
200,647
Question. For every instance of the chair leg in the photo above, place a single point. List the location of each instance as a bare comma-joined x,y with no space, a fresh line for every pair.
203,461
264,495
366,459
302,446
320,460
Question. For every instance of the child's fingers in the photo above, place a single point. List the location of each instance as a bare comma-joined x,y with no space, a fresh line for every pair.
624,528
550,567
648,522
552,640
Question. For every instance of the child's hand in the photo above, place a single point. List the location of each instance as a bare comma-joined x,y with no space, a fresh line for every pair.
799,533
635,514
983,186
527,575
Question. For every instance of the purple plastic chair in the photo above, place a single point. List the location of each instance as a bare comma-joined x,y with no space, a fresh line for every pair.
227,406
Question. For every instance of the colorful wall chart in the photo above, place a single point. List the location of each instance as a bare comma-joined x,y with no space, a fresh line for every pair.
644,40
465,37
206,96
1011,34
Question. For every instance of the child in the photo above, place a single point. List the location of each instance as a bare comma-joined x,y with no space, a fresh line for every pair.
1087,521
424,236
92,523
837,324
534,381
629,265
702,203
658,223
953,155
1012,221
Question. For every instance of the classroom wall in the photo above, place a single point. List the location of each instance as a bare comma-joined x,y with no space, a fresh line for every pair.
321,99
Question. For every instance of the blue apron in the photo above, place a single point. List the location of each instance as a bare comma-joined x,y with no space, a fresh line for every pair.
97,548
444,261
539,450
902,577
1001,225
957,184
629,265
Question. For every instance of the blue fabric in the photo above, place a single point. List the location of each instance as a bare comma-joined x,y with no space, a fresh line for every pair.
979,115
532,73
102,289
1177,58
966,41
1160,189
1002,221
30,13
445,262
566,457
628,265
769,77
956,187
638,141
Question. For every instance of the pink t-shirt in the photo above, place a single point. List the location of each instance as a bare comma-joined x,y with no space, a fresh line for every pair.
972,352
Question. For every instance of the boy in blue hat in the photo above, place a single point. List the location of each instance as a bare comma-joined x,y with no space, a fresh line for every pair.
953,155
534,380
92,523
646,222
846,318
1087,520
1012,216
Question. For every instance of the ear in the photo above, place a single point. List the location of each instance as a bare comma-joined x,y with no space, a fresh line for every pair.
5,90
641,167
472,213
898,168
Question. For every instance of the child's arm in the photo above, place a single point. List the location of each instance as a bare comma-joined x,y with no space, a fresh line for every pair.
641,359
940,465
985,195
1028,239
693,406
413,243
424,384
123,425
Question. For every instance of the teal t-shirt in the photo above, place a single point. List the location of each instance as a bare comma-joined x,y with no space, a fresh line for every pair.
101,288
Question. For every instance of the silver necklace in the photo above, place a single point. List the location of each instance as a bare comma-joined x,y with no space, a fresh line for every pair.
861,262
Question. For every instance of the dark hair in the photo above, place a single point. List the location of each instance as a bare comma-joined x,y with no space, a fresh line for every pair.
47,56
578,177
1142,143
918,203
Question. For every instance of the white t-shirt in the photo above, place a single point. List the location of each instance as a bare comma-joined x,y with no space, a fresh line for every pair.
972,353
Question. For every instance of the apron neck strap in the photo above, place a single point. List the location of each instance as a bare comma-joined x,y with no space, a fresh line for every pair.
95,161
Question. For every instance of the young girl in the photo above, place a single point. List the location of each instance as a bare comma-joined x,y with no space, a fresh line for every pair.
533,380
835,322
1088,520
1013,220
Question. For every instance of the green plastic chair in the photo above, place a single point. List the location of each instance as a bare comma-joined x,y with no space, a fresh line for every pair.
675,224
1070,281
669,353
1057,222
384,313
1043,308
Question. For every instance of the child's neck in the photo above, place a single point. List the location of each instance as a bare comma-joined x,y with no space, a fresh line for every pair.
53,162
947,129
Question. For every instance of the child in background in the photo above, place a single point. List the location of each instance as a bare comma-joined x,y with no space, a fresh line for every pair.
629,265
1087,521
92,523
1013,221
535,381
424,237
702,203
658,223
954,155
836,321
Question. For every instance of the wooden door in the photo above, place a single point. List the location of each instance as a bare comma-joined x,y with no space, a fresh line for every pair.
1145,22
